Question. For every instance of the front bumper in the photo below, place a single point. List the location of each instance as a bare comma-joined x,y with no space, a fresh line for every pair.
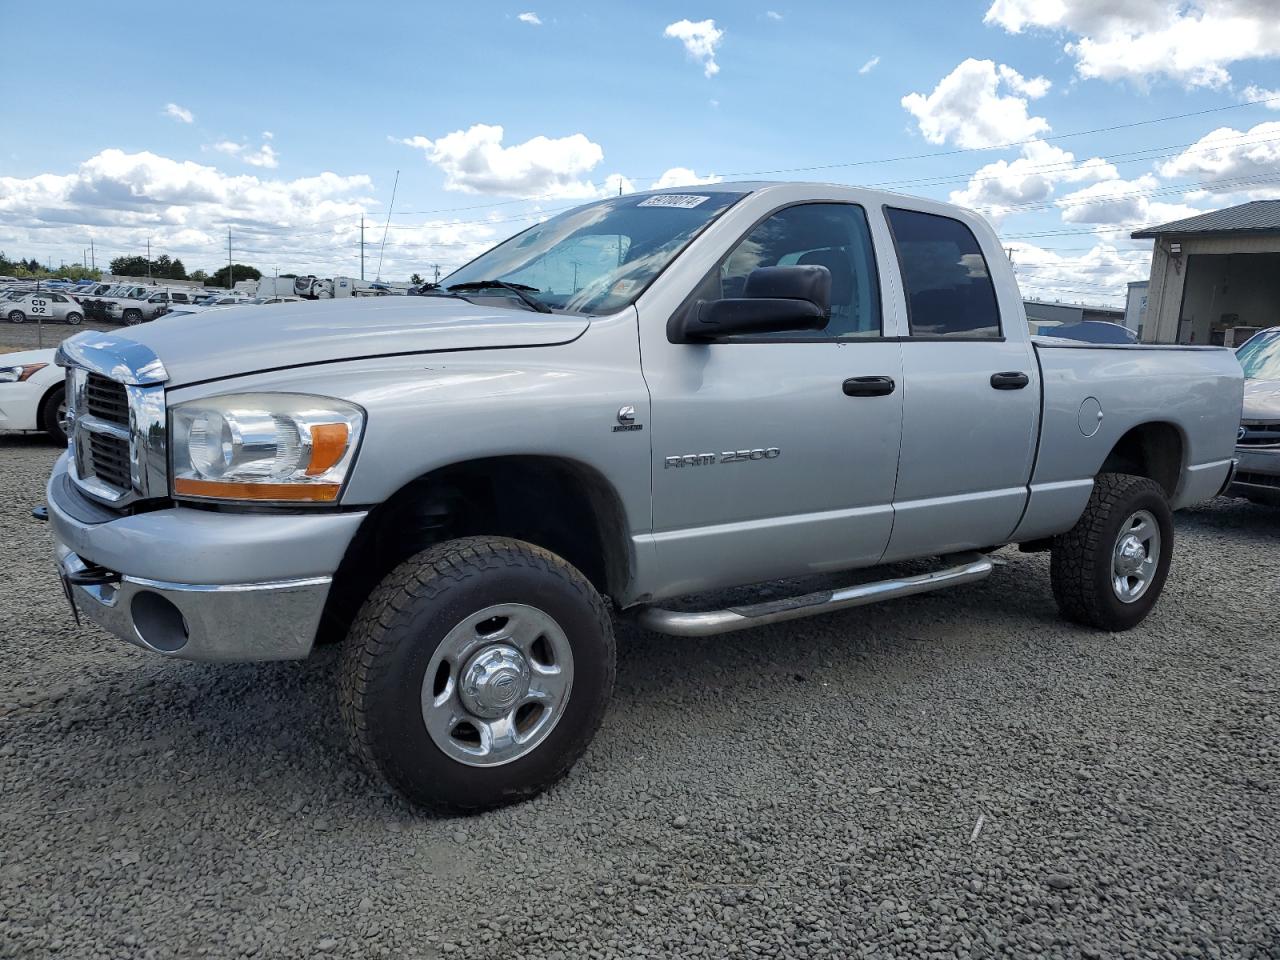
222,622
199,584
1257,475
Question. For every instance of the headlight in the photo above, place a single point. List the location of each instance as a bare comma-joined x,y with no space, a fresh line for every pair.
283,447
19,373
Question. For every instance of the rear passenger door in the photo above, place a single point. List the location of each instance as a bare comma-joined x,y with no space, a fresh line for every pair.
971,405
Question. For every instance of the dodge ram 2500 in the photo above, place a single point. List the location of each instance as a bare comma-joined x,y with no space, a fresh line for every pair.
642,399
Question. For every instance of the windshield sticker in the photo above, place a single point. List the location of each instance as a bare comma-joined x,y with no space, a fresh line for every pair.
685,201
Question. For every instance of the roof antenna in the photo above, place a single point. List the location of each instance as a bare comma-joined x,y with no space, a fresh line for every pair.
387,227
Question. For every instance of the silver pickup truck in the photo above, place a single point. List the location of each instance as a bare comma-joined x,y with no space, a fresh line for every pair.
646,398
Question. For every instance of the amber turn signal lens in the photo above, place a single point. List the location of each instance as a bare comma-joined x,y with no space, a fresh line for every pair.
296,492
328,444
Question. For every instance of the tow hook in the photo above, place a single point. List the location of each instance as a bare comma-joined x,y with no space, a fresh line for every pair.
41,513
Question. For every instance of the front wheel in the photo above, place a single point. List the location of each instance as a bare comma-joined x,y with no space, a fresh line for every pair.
1109,569
17,316
476,674
74,319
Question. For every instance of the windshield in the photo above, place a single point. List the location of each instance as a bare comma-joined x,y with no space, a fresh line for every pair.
599,257
1260,356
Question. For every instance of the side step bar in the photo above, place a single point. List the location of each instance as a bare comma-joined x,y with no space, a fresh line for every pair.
971,567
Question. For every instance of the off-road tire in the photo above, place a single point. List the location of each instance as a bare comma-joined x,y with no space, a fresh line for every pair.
1080,565
408,615
49,422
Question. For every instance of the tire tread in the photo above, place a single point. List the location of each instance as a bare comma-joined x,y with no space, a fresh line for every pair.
421,579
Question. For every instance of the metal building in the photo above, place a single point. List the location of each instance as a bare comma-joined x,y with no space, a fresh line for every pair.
1215,277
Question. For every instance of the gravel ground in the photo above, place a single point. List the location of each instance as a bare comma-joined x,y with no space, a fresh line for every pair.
34,336
796,791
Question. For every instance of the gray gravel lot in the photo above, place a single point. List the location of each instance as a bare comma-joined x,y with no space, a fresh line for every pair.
796,791
28,336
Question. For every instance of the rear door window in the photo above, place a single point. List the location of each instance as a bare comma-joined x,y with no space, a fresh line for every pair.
948,286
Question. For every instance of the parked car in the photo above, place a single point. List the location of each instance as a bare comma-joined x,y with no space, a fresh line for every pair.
642,399
1094,331
31,393
96,306
134,310
45,305
1258,444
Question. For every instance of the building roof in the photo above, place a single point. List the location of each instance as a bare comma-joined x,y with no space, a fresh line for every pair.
1258,216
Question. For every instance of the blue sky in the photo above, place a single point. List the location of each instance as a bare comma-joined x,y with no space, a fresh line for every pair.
289,122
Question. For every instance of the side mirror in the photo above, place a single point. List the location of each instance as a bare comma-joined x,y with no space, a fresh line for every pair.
774,300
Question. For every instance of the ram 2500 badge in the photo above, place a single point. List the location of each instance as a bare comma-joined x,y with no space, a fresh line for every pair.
648,397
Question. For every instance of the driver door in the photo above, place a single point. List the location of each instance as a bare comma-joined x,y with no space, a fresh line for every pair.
771,457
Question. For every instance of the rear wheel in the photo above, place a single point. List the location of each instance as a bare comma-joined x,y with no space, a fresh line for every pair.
1109,569
53,415
476,673
17,316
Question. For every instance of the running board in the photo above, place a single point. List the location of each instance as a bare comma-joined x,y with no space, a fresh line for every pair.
677,623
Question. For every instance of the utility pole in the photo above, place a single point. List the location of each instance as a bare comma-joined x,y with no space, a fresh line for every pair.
362,247
436,268
92,257
148,259
231,271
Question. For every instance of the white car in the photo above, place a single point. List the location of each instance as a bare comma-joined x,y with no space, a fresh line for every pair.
44,305
31,393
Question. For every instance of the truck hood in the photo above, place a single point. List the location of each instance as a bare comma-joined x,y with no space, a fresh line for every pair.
233,341
1261,400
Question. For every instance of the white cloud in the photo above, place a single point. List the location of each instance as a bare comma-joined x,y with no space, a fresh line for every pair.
700,41
1100,275
1000,188
1033,89
968,109
475,161
264,156
1190,41
1121,204
869,65
1251,92
307,225
773,14
682,177
181,114
1230,161
530,18
268,135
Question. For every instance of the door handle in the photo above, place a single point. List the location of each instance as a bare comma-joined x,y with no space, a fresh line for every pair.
1012,380
868,386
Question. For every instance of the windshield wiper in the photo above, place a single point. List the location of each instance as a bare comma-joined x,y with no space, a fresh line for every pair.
519,289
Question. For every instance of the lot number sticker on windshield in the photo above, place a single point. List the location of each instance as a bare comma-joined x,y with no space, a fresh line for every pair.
682,200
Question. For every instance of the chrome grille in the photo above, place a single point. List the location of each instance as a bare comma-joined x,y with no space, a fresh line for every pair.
1255,434
116,418
108,460
106,400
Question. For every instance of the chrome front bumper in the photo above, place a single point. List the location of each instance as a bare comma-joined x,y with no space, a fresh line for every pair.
224,622
198,584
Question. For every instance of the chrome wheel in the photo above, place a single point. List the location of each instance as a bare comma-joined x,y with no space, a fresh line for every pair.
1136,556
497,684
